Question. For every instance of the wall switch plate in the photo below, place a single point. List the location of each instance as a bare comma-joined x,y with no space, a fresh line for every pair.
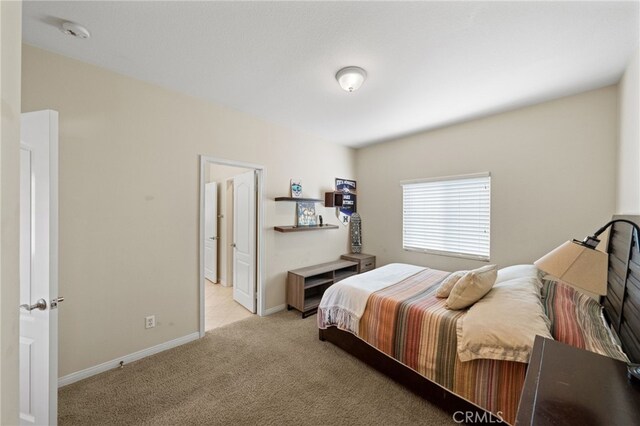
150,321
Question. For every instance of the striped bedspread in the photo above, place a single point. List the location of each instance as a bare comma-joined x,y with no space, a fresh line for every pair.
409,323
577,320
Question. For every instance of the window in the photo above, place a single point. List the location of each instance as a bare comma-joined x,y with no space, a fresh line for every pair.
449,216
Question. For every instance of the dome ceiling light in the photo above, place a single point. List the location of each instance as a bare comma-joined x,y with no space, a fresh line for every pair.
351,78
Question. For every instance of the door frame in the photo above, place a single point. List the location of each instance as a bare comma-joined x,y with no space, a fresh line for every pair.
260,236
212,186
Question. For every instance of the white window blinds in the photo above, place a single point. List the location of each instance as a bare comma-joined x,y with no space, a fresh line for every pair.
449,216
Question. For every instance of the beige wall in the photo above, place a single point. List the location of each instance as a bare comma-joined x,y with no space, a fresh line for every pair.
552,168
628,188
10,36
129,172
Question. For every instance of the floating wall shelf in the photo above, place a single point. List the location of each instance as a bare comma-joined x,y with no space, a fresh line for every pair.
304,228
304,200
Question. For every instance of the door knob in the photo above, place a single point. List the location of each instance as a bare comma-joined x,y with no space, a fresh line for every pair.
233,244
213,238
40,304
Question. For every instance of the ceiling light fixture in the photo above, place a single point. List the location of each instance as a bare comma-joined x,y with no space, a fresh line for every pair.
75,30
351,78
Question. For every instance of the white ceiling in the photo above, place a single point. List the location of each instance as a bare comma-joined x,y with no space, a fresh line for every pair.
429,64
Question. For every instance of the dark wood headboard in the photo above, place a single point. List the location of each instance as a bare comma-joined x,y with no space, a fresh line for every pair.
622,302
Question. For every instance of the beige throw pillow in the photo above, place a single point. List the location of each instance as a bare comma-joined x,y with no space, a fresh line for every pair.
472,287
504,323
448,283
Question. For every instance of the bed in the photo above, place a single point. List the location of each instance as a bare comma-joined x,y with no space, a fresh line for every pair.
406,332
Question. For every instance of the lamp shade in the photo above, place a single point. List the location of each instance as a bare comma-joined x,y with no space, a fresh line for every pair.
578,265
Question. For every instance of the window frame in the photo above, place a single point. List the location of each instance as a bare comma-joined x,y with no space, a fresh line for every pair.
444,252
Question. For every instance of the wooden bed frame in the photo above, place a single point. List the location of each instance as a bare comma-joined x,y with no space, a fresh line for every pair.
622,302
406,376
621,306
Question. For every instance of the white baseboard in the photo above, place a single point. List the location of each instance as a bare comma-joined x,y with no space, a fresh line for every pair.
106,366
274,310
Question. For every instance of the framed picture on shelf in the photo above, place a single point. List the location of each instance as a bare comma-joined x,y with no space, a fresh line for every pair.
296,188
306,214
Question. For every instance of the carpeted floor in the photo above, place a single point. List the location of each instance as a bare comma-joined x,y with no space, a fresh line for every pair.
259,371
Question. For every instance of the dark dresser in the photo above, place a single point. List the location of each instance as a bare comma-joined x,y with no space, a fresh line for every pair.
570,386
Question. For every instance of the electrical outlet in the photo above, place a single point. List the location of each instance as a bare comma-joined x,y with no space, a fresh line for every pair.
150,321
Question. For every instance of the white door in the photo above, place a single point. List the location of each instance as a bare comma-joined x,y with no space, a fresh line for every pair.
39,268
211,231
244,240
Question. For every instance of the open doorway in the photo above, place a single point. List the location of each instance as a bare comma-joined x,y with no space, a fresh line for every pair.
230,244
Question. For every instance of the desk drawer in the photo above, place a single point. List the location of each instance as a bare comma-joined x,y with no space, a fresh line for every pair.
367,265
366,262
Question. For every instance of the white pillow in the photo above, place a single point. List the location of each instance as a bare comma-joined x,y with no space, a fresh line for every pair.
517,271
447,284
504,324
472,287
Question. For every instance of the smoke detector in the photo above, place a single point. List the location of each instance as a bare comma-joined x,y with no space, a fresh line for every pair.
76,30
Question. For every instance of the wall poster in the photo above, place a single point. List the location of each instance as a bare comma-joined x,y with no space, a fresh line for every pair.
348,189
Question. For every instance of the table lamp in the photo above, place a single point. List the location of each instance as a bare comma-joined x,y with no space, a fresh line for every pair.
581,265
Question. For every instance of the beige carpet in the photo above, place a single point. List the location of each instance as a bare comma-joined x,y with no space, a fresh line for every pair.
259,371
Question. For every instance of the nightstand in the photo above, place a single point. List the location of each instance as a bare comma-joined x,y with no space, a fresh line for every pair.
567,385
366,262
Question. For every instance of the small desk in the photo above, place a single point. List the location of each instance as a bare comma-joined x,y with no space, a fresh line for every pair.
566,385
305,286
